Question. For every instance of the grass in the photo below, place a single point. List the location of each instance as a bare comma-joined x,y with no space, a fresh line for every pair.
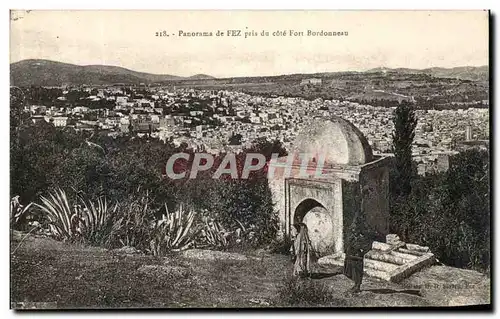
305,292
77,276
72,276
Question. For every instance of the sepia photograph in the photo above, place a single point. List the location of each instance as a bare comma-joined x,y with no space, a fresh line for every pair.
250,159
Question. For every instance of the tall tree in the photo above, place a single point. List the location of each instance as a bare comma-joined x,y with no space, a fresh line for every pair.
405,122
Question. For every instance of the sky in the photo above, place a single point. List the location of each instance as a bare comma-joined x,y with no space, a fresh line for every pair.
410,39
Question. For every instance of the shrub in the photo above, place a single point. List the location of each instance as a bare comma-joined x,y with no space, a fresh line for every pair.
213,235
450,212
89,222
245,205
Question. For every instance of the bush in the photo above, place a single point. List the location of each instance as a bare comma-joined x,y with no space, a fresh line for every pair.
64,218
87,222
99,222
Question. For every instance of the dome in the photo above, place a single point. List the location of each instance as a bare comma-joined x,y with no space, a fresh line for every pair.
341,141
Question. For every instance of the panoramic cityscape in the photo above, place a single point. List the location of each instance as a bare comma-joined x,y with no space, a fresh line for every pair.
250,159
209,119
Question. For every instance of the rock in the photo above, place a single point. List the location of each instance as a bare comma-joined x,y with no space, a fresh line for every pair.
164,270
205,254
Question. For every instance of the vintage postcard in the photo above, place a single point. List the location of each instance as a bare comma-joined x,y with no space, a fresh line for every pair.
249,159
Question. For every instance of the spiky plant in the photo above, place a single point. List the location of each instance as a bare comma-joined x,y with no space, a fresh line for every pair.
214,235
64,222
17,211
98,222
91,222
174,231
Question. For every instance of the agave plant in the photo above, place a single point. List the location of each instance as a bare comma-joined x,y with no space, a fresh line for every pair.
214,235
173,232
17,210
64,222
88,221
98,223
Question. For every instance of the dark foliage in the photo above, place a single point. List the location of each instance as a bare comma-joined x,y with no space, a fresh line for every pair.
44,157
450,212
403,135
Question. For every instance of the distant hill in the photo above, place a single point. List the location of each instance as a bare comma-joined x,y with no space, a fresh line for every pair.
479,73
201,77
52,73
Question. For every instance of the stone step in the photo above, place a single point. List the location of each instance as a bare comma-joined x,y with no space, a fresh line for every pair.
414,247
411,252
373,268
391,266
377,273
407,257
336,260
385,257
380,265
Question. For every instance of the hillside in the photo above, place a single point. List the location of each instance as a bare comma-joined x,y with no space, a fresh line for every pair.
480,73
52,73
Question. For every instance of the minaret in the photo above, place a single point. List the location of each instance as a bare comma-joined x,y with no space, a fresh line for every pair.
468,133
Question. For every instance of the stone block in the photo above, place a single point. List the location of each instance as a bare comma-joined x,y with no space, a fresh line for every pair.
392,239
423,249
376,245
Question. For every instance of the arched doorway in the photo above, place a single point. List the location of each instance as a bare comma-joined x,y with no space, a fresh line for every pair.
319,223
